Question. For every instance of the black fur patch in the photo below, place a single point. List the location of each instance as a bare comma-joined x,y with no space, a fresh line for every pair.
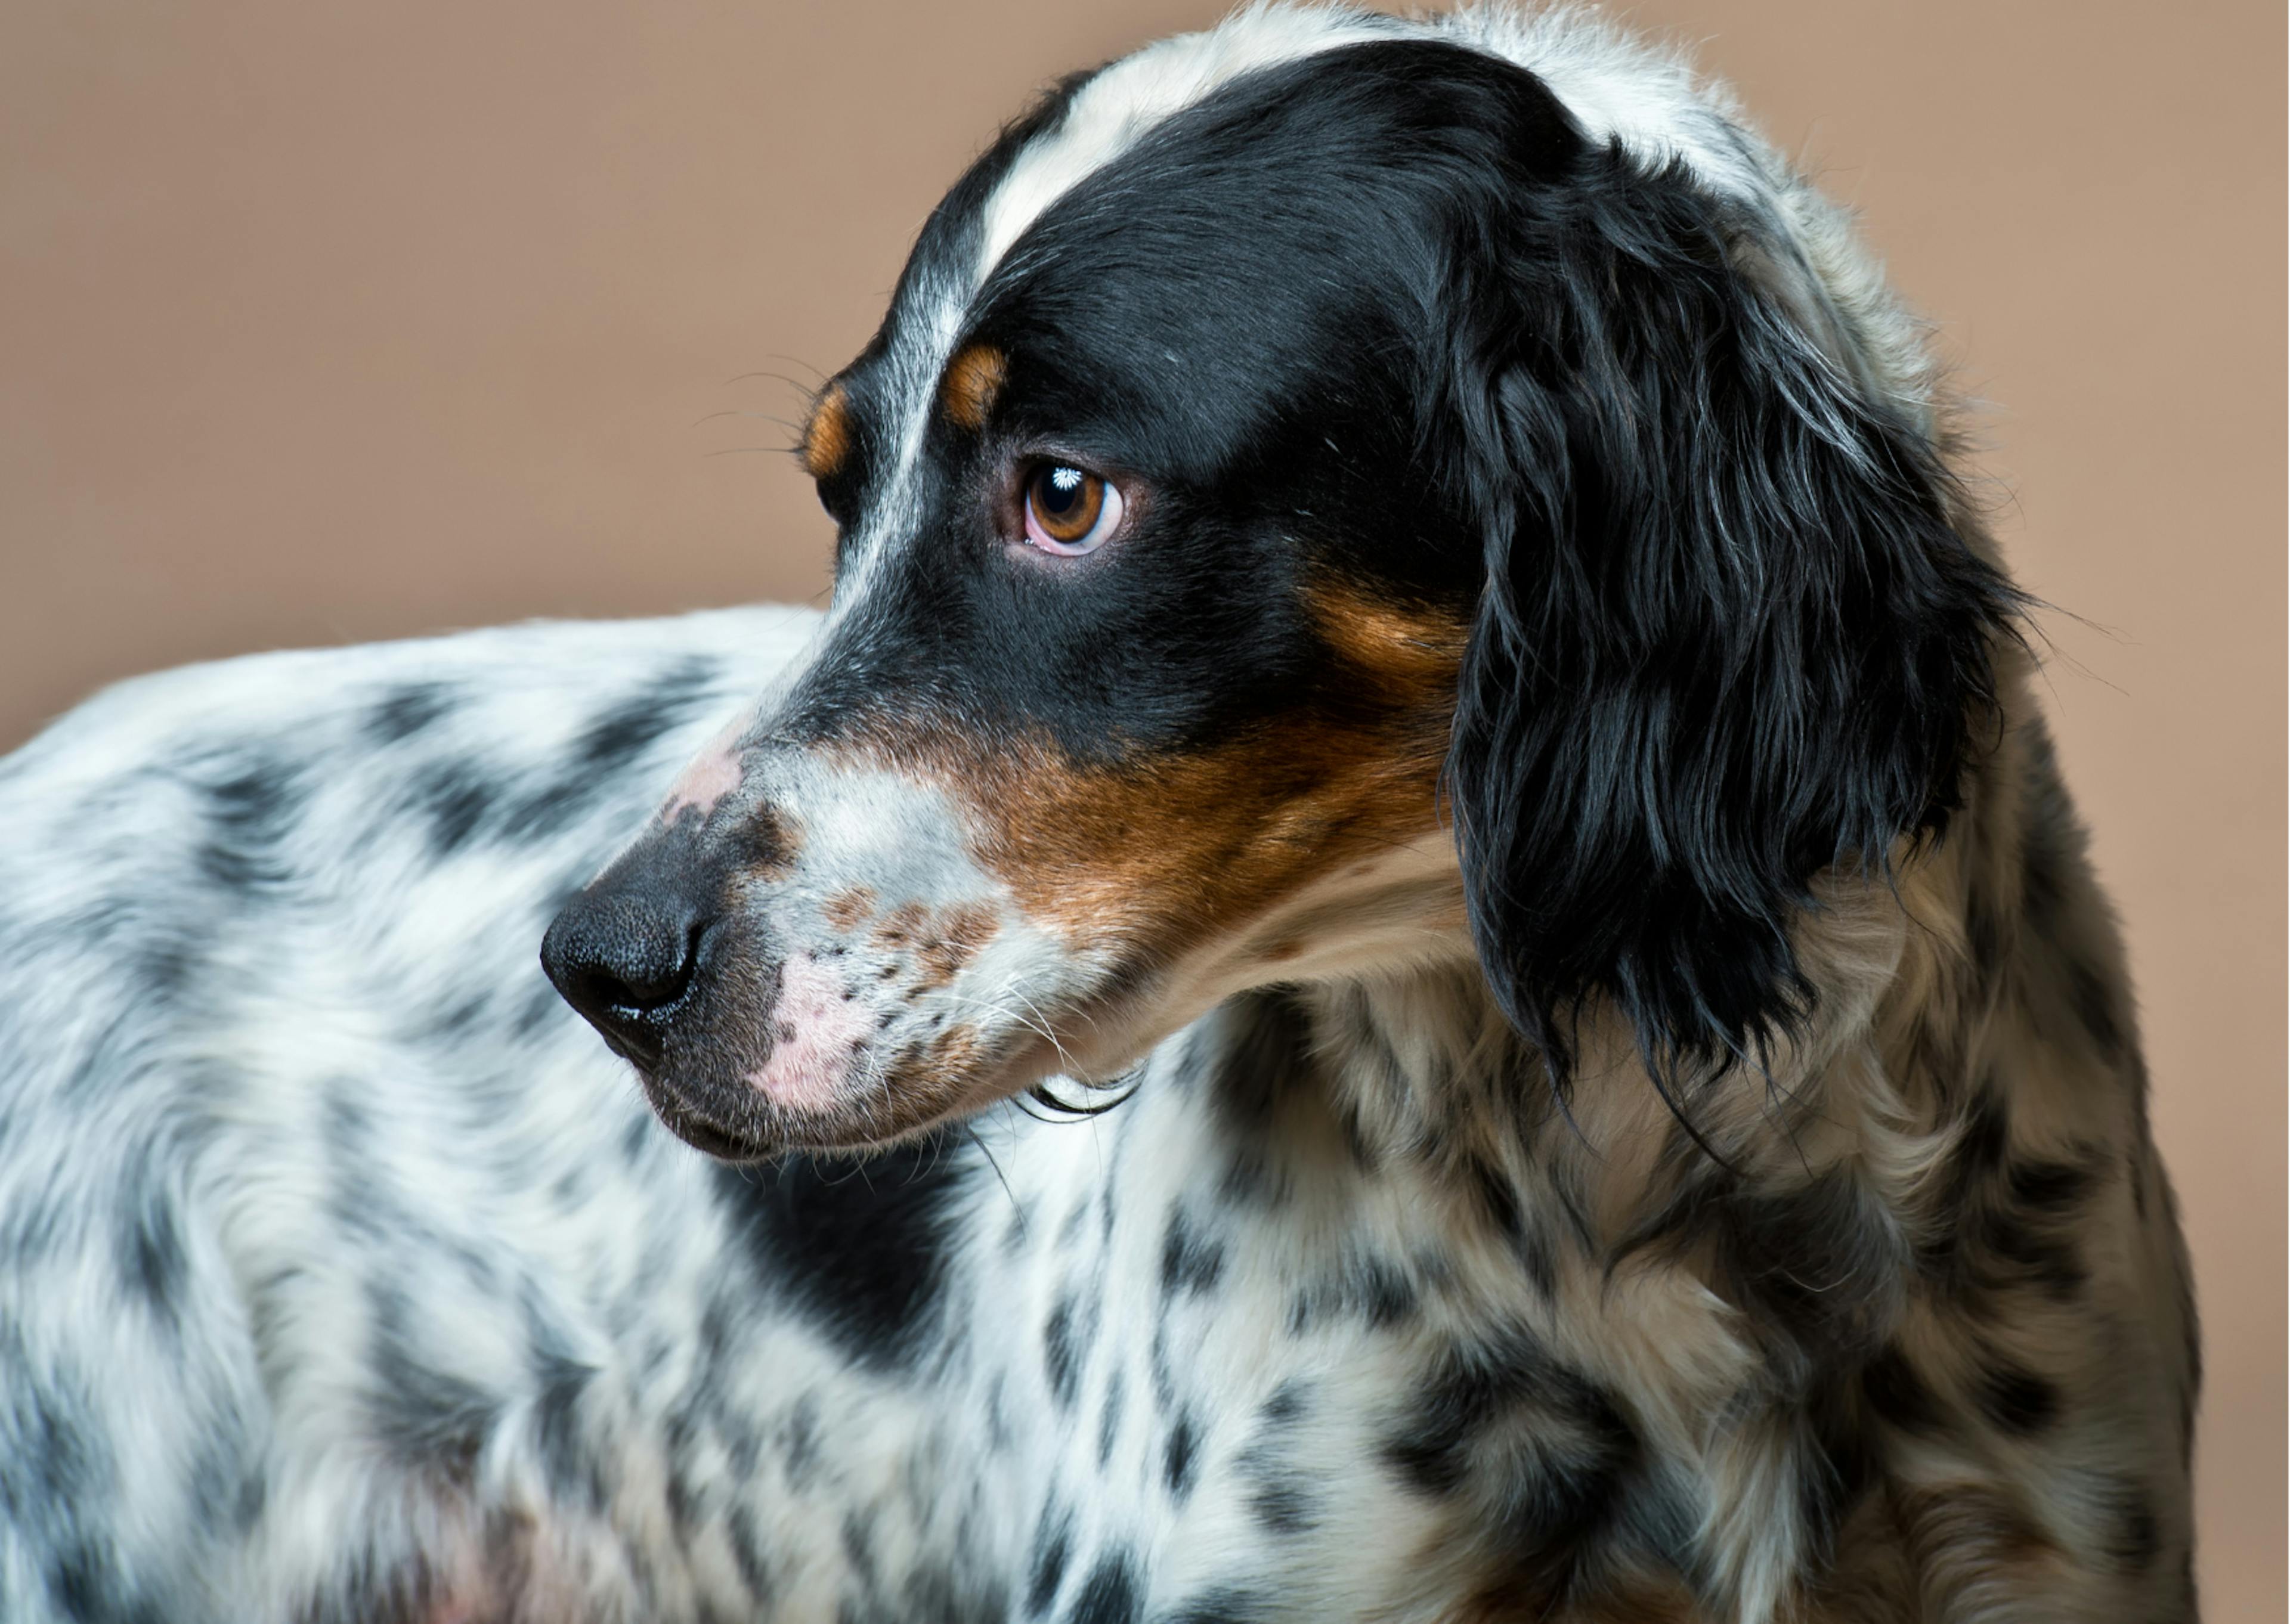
1266,1056
1897,1394
1180,1457
1112,1594
2138,1536
403,712
455,797
1223,1605
861,1247
623,733
249,812
2017,1399
1189,1262
1548,1448
1046,1567
1109,1425
428,1418
152,1257
1060,1357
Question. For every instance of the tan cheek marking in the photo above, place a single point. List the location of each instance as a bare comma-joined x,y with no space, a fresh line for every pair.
1152,858
943,943
1177,849
827,437
846,908
898,931
953,941
1408,654
973,379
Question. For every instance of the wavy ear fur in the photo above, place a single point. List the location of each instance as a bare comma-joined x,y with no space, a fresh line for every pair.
1729,633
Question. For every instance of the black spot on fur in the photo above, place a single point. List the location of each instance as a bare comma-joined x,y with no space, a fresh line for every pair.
1283,1504
2095,1004
1820,1267
152,1258
403,712
425,1417
862,1248
1218,1606
51,1459
2137,1538
1110,1594
618,736
1549,1447
1060,1357
1265,1058
748,1554
1983,935
2005,1223
1286,1402
1981,1145
455,797
551,808
1108,1427
2050,1187
1387,1296
248,813
1897,1394
2033,1252
1180,1457
1046,1565
1499,1201
1189,1261
575,1475
88,1587
800,1441
2016,1399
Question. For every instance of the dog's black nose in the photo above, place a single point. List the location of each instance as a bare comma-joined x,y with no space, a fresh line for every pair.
624,956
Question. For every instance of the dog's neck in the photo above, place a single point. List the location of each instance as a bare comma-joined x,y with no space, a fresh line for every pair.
1420,1069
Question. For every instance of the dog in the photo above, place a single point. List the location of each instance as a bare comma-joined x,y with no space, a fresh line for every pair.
1407,949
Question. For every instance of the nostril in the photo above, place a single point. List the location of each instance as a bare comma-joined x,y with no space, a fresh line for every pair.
642,982
625,962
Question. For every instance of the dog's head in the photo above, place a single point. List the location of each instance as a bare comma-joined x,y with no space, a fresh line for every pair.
1329,495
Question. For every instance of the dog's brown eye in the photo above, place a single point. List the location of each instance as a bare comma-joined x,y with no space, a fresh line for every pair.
1069,511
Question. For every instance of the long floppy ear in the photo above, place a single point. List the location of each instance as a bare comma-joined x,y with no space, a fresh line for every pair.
1729,633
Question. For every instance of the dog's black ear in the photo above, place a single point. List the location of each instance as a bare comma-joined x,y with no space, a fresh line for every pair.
1729,636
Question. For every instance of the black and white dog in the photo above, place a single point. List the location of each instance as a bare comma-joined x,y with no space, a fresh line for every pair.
1405,661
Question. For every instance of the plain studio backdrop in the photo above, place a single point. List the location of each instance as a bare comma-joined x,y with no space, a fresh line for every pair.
320,323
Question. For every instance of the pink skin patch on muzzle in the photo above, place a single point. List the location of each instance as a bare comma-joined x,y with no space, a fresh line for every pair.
817,1027
713,774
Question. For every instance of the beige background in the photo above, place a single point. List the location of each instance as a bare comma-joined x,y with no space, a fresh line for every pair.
323,323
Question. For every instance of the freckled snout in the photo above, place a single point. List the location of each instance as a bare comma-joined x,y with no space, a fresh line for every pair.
625,953
808,957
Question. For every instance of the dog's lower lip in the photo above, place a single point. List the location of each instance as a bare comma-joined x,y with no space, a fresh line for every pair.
696,1130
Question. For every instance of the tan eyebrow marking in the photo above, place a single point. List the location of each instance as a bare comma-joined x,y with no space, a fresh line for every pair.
827,437
973,379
